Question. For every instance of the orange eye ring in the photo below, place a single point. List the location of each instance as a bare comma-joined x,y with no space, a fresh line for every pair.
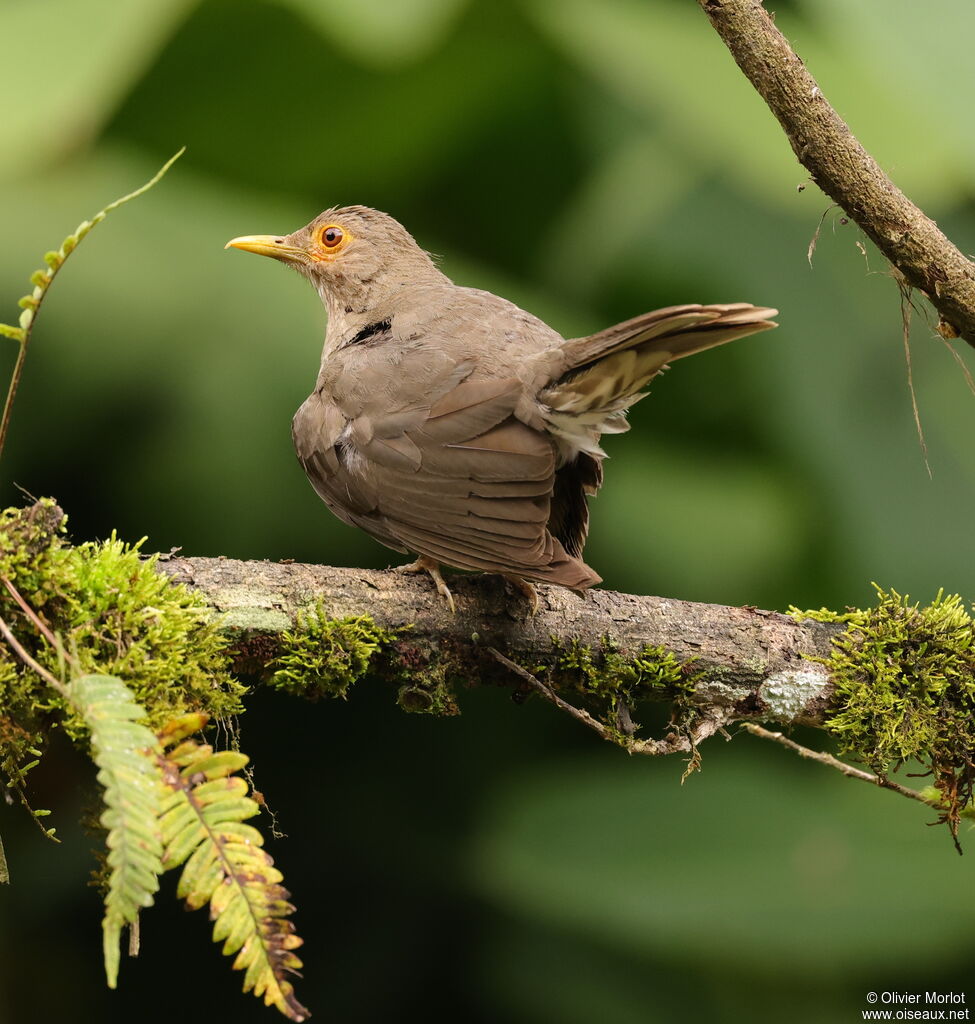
332,237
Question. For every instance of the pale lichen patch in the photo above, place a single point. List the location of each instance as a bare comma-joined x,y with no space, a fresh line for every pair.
789,692
253,620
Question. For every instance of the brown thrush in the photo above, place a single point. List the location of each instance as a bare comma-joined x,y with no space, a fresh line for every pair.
448,422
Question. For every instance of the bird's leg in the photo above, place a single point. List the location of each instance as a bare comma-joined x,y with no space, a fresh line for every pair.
429,565
525,589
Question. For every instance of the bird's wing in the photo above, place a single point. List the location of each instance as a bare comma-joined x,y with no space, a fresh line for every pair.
457,477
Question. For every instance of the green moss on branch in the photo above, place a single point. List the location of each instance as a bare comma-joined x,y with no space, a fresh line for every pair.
613,682
106,608
324,657
904,678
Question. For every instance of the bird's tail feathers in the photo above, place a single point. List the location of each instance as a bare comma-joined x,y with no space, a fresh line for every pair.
607,372
675,331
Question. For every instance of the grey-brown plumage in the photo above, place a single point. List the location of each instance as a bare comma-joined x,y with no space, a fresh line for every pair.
448,422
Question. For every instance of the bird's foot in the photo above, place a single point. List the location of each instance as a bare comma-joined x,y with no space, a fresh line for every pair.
429,565
525,589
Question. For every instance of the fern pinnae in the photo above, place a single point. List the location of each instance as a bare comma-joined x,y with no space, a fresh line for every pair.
16,776
224,864
126,754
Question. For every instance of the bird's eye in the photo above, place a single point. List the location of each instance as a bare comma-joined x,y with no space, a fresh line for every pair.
332,236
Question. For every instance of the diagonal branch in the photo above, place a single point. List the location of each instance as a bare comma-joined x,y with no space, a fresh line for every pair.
843,169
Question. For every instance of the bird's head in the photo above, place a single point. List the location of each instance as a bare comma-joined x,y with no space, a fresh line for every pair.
357,258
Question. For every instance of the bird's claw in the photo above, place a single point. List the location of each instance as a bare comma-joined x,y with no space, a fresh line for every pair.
428,565
526,590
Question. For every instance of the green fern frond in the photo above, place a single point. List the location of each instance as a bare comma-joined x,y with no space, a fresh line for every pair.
127,756
203,817
41,280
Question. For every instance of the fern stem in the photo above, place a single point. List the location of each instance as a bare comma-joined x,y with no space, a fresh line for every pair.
42,279
12,389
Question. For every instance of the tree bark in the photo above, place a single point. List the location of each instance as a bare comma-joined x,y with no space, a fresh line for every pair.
749,663
843,169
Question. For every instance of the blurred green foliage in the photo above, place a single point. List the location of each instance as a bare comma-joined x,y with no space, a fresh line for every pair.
589,159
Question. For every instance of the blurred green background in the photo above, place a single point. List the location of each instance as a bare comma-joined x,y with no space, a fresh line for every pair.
589,159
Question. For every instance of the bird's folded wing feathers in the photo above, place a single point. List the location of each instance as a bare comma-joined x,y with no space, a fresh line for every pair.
464,481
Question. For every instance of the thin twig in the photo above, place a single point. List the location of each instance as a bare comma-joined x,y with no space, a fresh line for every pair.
677,743
25,657
840,766
30,613
579,714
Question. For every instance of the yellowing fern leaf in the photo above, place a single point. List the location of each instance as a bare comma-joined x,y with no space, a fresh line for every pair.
127,756
202,818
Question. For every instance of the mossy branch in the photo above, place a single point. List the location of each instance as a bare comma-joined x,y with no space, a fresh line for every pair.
894,683
742,662
843,169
